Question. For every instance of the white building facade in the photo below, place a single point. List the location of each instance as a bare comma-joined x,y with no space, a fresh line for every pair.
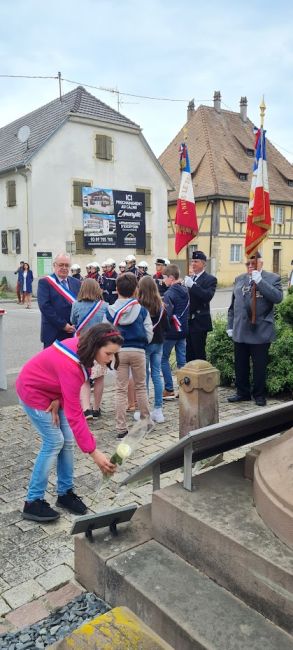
40,195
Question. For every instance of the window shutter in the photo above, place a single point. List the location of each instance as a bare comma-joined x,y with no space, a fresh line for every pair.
104,147
147,198
79,242
11,194
4,242
17,242
77,193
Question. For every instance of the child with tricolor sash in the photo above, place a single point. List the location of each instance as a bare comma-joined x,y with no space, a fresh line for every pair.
149,297
176,300
48,387
134,322
89,309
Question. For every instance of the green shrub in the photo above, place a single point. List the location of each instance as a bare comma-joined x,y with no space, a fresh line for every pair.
4,284
220,351
285,308
280,367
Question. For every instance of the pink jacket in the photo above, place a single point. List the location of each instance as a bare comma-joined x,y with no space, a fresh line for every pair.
52,375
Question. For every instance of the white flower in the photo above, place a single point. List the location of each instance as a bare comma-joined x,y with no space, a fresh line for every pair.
123,450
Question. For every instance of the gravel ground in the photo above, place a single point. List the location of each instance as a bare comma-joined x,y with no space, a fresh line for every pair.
57,625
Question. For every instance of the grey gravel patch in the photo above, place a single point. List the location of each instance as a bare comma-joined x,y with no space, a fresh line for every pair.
57,625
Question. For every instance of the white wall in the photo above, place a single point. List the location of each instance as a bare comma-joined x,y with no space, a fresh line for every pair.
70,155
14,218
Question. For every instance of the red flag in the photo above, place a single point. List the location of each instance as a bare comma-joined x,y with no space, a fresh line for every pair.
186,221
259,215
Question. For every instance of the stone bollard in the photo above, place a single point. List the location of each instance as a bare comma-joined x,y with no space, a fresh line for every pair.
198,383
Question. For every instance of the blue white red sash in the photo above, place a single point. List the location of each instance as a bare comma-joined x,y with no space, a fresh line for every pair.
66,293
160,317
85,320
126,307
176,323
176,319
71,355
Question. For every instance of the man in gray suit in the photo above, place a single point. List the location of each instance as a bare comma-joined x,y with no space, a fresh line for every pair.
252,340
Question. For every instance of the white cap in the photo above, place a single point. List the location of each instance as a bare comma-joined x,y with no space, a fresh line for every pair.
75,267
143,265
110,262
122,264
130,258
167,261
96,265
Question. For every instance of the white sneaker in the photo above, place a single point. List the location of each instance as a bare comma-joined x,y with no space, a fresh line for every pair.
157,416
136,416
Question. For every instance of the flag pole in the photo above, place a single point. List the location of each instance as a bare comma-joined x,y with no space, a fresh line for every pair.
262,108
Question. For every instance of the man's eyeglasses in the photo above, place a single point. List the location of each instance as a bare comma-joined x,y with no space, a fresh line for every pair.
64,266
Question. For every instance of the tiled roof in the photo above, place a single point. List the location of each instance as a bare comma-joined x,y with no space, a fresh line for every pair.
217,144
44,121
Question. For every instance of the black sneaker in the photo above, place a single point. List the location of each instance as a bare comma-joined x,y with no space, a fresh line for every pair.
71,502
88,414
39,510
97,413
121,434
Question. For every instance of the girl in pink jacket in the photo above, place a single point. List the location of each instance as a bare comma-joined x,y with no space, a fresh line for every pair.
48,387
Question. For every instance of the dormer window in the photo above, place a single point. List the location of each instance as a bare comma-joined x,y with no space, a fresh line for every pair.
290,182
242,177
250,153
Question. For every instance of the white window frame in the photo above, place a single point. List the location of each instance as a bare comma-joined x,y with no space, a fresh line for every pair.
236,253
279,215
240,211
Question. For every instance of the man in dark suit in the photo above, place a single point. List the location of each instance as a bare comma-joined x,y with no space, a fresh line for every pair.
252,340
201,286
56,294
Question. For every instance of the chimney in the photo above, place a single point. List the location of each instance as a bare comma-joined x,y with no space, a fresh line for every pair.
217,101
190,109
243,109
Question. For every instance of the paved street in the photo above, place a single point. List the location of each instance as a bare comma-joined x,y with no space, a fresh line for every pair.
22,337
37,559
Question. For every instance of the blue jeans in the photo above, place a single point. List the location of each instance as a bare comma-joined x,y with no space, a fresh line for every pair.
180,350
153,355
57,446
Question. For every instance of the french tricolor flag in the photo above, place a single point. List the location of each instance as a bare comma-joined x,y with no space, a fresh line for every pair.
259,214
186,221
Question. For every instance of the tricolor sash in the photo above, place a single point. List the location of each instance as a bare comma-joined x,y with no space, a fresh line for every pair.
60,289
119,313
85,320
160,317
71,355
176,323
176,319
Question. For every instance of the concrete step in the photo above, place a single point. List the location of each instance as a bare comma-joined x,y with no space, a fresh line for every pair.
216,528
185,607
118,629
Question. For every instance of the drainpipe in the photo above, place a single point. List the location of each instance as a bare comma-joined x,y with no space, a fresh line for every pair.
25,176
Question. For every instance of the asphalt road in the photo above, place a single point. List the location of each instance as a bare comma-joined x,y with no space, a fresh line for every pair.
22,337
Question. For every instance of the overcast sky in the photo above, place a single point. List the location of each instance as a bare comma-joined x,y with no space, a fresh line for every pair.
159,48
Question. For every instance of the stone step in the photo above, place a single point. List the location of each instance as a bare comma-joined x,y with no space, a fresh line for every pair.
119,629
185,607
216,528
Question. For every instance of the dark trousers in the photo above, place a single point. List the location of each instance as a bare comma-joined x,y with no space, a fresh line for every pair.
195,342
259,355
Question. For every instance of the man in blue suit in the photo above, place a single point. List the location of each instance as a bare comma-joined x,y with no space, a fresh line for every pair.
56,294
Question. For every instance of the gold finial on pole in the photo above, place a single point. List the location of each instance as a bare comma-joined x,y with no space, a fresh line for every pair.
262,107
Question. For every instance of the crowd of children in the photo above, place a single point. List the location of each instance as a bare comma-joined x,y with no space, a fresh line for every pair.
151,326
